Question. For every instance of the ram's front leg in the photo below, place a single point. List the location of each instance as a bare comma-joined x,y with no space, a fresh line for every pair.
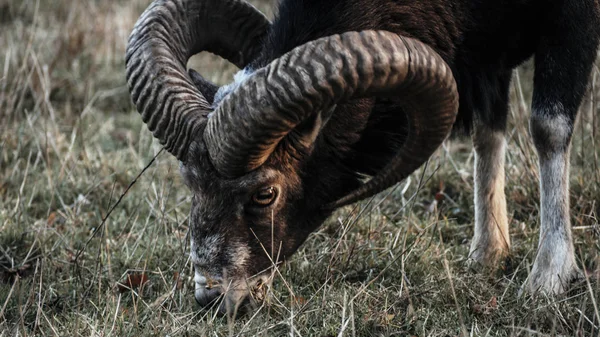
563,63
554,267
491,240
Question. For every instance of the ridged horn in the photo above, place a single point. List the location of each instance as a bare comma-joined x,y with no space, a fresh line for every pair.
252,120
166,35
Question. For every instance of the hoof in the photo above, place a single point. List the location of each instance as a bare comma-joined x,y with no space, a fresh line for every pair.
552,278
487,256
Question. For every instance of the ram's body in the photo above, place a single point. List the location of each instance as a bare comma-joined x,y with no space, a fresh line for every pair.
482,41
292,135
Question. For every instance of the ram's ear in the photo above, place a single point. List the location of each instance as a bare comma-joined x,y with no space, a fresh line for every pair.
303,137
206,87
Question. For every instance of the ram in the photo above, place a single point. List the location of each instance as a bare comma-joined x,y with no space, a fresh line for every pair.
333,91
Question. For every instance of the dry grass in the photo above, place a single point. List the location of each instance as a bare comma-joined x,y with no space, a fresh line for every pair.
71,143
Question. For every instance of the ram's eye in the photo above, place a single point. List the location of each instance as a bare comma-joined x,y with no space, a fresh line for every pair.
265,196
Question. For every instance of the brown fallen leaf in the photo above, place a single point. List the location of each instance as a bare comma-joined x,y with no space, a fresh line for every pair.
298,300
134,280
439,195
438,198
177,278
493,303
487,308
51,219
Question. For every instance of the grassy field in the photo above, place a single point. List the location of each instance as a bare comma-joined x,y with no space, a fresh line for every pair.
71,144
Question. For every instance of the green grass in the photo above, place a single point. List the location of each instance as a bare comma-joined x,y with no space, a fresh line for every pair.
71,143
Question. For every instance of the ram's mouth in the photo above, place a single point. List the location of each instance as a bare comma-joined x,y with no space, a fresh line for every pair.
259,291
233,297
246,297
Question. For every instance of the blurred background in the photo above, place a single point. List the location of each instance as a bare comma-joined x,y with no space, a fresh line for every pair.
72,144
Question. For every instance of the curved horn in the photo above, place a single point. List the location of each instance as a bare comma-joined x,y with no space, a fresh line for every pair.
167,34
251,121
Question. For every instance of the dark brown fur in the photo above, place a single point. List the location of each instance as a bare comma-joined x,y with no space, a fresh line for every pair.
482,41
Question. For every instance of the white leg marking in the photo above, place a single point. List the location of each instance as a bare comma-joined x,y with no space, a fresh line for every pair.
554,267
491,239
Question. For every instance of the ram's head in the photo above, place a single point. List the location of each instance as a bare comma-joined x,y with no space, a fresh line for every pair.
246,148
